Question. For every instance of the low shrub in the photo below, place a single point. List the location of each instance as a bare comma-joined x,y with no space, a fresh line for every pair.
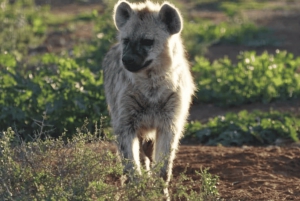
57,88
254,78
244,128
82,168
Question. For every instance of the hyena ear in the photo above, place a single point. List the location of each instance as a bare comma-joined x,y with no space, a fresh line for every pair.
171,18
122,14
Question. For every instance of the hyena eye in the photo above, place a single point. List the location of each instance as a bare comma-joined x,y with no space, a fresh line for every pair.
125,41
147,42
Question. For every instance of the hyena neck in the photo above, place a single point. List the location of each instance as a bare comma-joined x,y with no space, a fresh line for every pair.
154,82
155,85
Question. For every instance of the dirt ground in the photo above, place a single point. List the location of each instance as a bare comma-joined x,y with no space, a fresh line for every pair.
250,173
245,173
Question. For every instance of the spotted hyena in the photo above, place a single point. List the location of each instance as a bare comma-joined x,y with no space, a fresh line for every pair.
148,85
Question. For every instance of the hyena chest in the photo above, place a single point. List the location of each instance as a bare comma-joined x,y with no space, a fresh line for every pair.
151,107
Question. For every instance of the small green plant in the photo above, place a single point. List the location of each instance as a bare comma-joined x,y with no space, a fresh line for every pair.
256,128
254,78
208,185
187,189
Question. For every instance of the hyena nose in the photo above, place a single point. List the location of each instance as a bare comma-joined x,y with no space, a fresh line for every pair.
132,63
127,60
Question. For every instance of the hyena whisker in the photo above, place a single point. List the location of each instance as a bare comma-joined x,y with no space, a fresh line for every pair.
148,85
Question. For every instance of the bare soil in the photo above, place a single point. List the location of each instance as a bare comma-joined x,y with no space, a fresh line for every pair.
245,173
250,173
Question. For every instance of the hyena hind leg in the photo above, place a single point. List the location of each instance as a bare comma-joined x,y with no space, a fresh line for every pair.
146,154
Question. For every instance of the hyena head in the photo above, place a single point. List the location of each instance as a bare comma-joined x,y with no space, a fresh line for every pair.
144,31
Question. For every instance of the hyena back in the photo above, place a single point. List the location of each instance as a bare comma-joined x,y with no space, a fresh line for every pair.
148,84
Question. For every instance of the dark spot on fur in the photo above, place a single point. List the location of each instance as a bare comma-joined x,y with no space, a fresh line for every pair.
163,104
152,91
137,102
142,14
122,147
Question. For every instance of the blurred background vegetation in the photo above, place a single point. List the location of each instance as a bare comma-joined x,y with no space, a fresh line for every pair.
241,53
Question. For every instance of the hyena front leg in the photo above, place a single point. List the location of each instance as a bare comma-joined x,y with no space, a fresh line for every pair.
128,145
167,140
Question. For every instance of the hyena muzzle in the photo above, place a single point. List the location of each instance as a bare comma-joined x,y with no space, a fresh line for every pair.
148,85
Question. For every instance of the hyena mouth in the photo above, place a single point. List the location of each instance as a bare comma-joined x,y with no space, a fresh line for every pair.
135,68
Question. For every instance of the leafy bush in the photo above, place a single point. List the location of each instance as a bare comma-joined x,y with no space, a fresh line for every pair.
81,168
58,87
256,128
22,25
253,79
65,89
